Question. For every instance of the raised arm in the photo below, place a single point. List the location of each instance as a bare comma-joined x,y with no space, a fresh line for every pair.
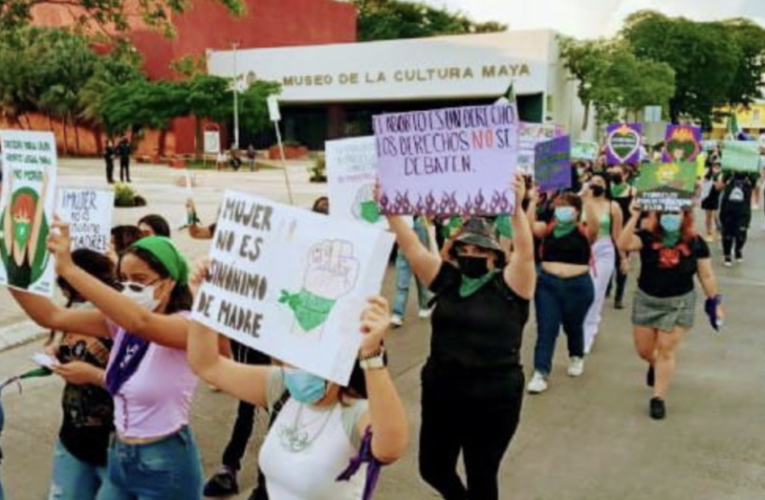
425,264
49,315
520,273
628,241
387,415
243,382
166,330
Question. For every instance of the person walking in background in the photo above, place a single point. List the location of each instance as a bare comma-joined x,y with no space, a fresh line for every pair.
404,280
735,216
123,151
109,154
622,194
712,186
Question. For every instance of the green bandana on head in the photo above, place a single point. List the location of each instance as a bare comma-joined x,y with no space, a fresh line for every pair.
370,212
168,254
310,309
470,286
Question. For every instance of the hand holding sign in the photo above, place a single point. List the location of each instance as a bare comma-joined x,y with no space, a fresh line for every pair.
60,246
375,323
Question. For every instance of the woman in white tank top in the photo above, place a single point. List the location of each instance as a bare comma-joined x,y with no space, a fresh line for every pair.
322,427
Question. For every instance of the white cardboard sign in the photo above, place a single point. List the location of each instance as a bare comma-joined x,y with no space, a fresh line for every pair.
89,214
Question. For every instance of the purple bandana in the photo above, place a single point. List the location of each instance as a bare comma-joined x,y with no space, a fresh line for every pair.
373,470
131,351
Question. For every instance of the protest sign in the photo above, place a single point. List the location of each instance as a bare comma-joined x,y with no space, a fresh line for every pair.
742,156
352,174
448,161
212,141
529,135
681,143
584,150
623,142
292,283
26,210
89,214
552,169
666,187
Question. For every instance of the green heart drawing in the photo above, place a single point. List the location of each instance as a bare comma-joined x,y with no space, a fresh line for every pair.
370,212
624,143
689,148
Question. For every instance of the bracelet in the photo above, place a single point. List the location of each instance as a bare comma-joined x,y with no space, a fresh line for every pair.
374,354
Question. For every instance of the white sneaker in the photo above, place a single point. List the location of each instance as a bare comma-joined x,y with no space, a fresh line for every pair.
575,367
426,313
740,260
728,263
538,384
396,321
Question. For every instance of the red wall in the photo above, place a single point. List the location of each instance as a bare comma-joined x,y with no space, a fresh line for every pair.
208,25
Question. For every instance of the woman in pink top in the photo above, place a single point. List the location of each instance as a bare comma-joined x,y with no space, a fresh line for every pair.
153,455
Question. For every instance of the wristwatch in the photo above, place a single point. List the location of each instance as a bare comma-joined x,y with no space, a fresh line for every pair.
373,361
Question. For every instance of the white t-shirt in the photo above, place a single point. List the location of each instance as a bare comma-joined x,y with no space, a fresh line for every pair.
308,447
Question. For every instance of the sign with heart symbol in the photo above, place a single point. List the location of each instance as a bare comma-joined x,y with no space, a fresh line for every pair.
681,143
623,143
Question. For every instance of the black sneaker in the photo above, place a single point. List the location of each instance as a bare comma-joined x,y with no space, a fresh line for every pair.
658,410
222,484
650,377
618,305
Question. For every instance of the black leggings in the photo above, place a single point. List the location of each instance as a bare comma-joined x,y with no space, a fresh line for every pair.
480,429
619,278
734,233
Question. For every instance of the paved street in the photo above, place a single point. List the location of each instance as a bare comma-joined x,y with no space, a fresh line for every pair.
586,439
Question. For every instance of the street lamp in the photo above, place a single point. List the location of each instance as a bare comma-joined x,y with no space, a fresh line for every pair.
235,46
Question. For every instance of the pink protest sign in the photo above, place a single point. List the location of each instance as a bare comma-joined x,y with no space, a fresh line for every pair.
448,161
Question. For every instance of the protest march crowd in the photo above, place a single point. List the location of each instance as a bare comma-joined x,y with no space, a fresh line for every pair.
305,341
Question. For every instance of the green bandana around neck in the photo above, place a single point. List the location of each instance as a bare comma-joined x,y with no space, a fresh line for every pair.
563,228
617,190
670,239
310,309
470,286
168,254
21,233
370,212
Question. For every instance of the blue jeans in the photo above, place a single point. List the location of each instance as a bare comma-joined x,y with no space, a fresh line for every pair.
404,276
167,469
74,479
559,302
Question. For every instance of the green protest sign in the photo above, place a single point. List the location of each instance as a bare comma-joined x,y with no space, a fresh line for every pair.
666,187
584,150
742,156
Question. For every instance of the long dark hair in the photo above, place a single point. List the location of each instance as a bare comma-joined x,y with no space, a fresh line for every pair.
124,236
157,223
180,298
607,181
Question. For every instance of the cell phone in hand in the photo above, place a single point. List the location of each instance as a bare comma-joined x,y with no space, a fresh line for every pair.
45,360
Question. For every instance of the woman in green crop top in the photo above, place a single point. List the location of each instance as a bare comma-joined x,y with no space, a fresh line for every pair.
603,251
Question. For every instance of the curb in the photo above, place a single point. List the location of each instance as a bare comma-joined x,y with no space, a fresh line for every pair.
20,334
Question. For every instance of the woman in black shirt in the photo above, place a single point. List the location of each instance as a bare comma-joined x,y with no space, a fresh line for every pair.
671,254
472,383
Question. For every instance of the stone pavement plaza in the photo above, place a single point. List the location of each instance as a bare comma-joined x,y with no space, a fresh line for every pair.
586,439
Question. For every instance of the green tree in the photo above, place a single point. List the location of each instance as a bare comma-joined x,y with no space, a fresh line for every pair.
394,19
613,80
747,83
705,57
253,107
108,15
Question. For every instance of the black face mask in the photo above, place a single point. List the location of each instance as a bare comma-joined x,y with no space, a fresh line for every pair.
473,267
598,191
617,178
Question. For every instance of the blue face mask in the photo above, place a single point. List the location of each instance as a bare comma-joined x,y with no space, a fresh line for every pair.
565,214
304,387
671,222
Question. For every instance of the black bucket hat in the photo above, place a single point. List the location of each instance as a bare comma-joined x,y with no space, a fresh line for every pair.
479,232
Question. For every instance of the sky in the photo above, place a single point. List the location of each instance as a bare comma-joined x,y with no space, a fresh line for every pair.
594,18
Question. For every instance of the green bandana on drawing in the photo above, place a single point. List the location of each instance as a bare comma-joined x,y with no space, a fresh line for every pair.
310,310
469,286
21,233
370,212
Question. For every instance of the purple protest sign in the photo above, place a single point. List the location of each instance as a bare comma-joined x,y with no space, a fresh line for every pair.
681,143
552,164
623,143
448,161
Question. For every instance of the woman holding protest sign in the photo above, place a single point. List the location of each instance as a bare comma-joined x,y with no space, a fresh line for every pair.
472,382
603,251
321,426
153,455
565,291
671,254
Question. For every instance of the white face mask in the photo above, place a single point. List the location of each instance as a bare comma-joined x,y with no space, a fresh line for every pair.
143,295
